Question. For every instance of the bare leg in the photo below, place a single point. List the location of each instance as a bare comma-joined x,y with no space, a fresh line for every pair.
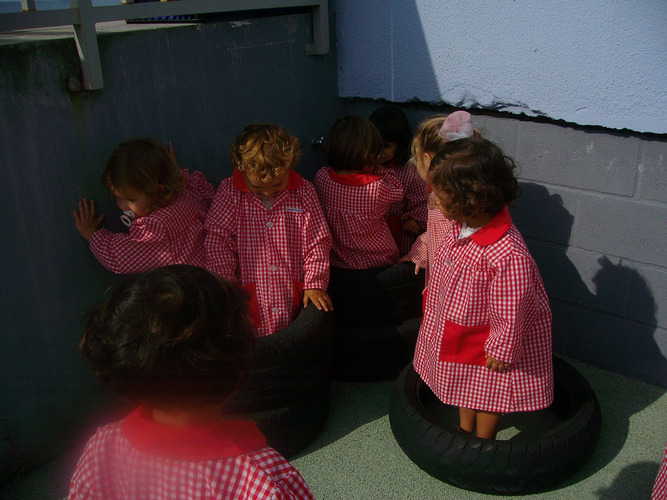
487,424
467,419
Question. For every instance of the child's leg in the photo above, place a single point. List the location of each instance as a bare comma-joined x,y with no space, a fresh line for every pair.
487,424
467,420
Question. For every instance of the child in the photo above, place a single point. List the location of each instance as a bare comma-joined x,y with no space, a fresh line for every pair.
485,341
176,340
163,206
431,134
406,218
356,197
266,229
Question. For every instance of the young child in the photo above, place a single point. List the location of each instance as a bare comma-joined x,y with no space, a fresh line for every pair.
406,218
356,196
431,134
163,206
485,341
266,229
176,341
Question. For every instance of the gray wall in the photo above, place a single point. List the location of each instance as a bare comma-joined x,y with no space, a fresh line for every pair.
593,211
195,86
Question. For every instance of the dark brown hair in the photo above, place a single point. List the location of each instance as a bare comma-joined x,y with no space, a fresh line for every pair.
144,164
475,175
265,150
172,336
352,144
393,126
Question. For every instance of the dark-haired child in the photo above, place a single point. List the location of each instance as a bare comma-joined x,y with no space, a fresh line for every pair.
406,218
163,206
485,341
266,229
356,195
176,341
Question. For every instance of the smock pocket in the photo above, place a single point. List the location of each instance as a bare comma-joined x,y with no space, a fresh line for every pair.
464,344
253,305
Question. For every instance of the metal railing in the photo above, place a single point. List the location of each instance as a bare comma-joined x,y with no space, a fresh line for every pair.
83,16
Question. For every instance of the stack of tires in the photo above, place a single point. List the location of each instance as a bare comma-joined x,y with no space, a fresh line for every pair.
287,390
377,313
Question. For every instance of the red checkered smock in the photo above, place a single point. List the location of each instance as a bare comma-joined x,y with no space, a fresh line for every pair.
424,249
660,485
356,207
276,253
139,459
412,206
170,235
486,296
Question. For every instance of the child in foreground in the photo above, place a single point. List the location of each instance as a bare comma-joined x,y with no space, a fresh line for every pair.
356,195
406,218
176,341
266,229
163,206
485,341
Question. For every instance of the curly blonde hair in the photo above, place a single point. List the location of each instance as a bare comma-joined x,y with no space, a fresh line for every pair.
265,150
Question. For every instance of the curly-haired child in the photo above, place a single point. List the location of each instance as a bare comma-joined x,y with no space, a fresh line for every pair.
176,341
266,229
163,206
485,340
356,195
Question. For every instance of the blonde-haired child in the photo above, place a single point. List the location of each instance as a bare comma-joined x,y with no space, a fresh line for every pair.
356,195
163,206
266,229
485,340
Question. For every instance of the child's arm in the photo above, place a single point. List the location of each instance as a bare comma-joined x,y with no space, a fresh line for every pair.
415,210
513,305
85,220
418,253
220,242
317,246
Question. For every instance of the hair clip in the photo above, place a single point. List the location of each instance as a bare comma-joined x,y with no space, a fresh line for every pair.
127,217
457,126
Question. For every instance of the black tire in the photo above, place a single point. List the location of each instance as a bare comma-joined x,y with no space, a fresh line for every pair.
375,352
552,444
287,364
292,427
376,296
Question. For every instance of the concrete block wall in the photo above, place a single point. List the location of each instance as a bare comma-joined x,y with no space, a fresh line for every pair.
593,211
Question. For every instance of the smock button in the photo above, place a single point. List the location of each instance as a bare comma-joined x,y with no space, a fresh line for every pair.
448,262
273,268
269,224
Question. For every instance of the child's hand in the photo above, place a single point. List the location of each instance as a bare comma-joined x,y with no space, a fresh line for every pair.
85,220
412,227
318,297
495,365
406,258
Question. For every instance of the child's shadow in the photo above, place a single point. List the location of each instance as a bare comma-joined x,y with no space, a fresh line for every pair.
612,327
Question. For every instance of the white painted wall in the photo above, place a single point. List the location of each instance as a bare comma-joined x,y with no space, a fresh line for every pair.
591,63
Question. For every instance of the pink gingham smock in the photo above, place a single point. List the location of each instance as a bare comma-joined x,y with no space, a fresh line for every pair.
424,249
356,207
139,459
169,235
276,253
412,206
660,485
486,296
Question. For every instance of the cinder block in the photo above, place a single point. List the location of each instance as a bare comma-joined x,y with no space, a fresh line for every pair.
595,161
647,296
652,183
623,227
501,131
545,212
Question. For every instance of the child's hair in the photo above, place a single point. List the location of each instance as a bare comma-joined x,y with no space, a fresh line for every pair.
172,336
427,138
265,150
352,144
475,175
144,164
394,127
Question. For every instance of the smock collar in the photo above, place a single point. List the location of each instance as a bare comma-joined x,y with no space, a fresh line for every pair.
492,231
353,179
